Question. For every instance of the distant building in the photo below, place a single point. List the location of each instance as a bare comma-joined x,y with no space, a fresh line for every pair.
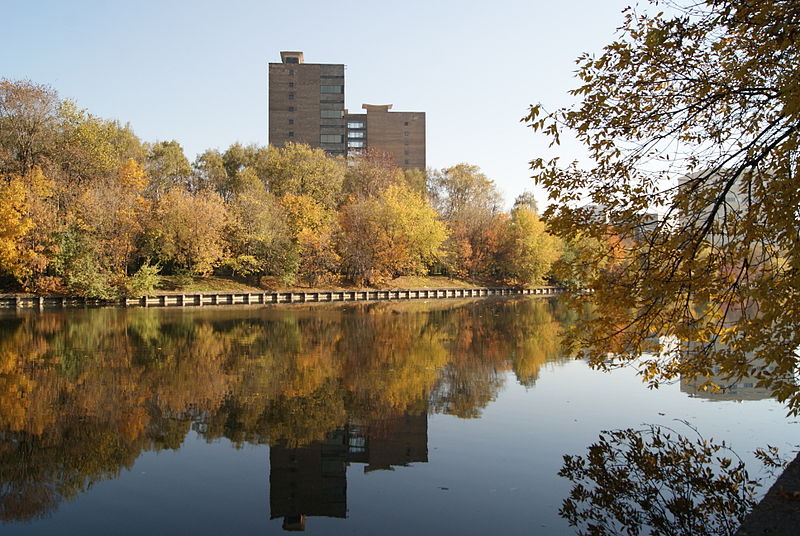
401,134
306,105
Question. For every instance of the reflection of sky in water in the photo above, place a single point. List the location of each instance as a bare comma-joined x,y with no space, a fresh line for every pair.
495,473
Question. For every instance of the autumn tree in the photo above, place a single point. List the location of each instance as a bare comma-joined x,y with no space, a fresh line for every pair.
208,172
188,230
14,224
27,221
530,250
258,233
302,170
691,121
371,173
113,212
313,229
396,233
468,201
28,118
167,166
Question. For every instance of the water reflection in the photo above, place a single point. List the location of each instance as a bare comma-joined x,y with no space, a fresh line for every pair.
84,393
312,480
658,481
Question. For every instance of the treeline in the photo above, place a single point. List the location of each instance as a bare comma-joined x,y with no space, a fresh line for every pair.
87,208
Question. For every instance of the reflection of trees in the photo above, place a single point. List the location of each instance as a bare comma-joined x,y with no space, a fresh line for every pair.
82,393
38,471
485,341
659,482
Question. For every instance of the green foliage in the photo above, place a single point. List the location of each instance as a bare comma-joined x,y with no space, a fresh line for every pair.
462,192
530,249
143,281
89,148
167,167
76,263
301,170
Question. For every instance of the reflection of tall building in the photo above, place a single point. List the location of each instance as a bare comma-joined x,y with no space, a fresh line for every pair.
722,387
308,481
744,388
312,480
390,443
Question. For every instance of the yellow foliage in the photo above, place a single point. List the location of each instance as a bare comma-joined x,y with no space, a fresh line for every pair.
14,223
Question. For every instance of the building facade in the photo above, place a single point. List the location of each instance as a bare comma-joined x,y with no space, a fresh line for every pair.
306,105
401,134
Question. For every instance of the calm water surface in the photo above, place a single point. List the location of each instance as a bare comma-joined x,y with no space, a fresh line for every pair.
446,417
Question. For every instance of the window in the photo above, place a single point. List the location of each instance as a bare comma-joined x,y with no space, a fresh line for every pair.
330,89
291,134
330,114
406,161
355,124
405,142
291,72
292,59
291,96
330,138
406,152
291,121
291,108
406,123
353,143
405,133
291,84
355,134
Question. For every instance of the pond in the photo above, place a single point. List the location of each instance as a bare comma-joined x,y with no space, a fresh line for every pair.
443,417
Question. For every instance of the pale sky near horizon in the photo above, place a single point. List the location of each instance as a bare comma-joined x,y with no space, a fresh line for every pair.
196,71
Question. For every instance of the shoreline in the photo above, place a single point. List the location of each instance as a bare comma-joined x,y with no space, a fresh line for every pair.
200,299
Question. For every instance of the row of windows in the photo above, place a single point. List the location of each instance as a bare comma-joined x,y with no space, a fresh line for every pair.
324,114
355,134
331,89
355,124
330,138
354,143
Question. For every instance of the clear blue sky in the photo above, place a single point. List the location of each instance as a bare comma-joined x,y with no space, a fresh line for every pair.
196,71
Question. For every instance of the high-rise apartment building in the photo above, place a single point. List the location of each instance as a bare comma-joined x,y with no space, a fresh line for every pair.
401,134
306,105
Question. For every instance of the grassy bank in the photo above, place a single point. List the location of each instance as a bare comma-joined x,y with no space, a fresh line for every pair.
221,284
